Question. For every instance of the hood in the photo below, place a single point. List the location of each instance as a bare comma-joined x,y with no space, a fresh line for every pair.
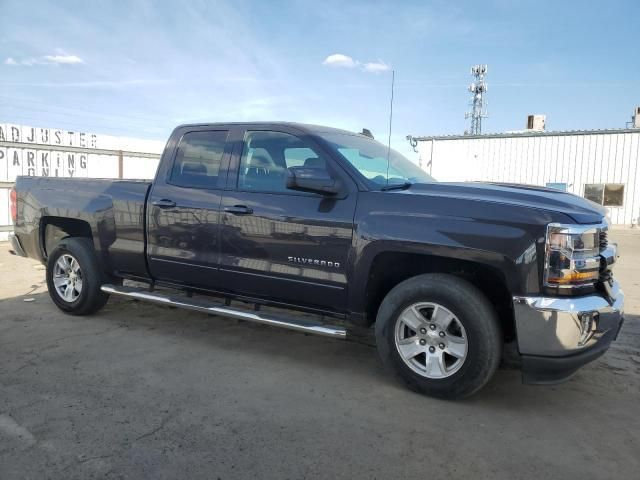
579,209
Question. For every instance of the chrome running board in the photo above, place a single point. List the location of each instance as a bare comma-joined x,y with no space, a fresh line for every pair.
205,306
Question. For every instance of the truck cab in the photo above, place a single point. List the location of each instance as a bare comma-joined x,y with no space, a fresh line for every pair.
221,217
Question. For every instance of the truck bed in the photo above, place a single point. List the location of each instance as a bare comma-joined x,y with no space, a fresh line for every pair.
113,211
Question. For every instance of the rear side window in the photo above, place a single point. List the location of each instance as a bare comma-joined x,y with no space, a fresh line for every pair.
198,158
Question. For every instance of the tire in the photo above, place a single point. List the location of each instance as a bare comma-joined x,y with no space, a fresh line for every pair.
472,341
86,276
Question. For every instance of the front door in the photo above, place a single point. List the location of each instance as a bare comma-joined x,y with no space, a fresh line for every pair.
183,212
279,244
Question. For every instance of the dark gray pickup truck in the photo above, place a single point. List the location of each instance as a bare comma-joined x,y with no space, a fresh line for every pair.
315,219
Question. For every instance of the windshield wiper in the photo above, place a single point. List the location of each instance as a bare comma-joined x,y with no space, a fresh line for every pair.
396,186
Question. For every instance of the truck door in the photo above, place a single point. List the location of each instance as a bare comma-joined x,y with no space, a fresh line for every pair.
183,212
280,244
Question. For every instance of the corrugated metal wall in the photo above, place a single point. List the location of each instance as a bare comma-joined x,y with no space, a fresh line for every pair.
34,151
575,159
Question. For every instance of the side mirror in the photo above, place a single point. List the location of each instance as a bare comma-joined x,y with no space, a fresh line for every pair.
315,180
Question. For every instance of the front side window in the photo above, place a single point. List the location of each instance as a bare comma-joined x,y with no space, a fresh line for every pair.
198,158
266,157
605,194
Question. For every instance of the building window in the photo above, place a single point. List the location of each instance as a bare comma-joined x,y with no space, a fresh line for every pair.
594,192
557,186
606,194
613,194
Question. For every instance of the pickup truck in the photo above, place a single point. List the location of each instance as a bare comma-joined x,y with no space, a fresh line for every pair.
258,221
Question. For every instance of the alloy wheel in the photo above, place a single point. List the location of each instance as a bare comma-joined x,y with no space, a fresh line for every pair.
67,278
431,340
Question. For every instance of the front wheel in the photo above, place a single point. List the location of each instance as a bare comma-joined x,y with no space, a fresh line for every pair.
74,277
440,335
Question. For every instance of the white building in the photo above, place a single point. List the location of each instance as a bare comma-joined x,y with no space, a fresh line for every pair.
55,152
601,165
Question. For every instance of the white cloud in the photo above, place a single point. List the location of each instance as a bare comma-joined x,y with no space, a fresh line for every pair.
345,61
60,58
340,60
63,59
376,67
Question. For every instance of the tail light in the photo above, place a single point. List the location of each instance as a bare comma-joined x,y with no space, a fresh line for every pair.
13,204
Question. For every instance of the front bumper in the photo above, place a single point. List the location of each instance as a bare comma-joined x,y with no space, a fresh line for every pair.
16,246
557,336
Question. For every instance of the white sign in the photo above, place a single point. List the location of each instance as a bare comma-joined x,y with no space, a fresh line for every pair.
24,159
47,136
16,161
41,163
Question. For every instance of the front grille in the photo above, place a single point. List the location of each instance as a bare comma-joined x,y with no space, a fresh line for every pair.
605,270
604,241
605,276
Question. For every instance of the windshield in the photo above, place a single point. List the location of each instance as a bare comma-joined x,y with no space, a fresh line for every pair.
370,159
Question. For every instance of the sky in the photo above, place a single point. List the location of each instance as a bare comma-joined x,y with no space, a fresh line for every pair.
139,68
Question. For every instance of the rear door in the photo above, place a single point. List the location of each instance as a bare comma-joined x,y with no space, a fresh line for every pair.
279,244
183,213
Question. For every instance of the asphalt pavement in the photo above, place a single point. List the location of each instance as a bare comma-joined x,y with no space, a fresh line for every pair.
142,391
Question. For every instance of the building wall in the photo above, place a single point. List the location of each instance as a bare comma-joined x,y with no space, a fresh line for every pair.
572,159
29,157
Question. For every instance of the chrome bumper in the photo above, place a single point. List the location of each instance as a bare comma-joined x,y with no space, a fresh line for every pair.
16,247
561,327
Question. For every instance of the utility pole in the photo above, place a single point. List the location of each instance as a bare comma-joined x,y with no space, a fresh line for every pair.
478,89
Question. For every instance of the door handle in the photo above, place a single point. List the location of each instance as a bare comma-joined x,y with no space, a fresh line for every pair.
239,210
164,203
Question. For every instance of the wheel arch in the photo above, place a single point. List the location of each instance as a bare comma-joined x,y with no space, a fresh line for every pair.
53,229
390,268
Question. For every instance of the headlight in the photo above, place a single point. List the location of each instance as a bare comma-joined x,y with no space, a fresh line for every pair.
572,257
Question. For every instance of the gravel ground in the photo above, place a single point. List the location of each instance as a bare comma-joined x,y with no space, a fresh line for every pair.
141,391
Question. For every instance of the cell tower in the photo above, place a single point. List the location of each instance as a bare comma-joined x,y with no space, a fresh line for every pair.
478,89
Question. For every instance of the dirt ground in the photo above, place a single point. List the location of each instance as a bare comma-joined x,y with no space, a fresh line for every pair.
141,391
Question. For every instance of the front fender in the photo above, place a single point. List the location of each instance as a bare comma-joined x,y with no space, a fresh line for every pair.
504,238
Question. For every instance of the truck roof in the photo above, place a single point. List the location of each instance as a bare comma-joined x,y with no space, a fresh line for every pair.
306,127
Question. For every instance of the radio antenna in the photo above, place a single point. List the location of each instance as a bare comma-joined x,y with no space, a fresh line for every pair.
393,78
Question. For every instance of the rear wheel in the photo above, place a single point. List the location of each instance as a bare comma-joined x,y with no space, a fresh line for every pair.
440,335
74,277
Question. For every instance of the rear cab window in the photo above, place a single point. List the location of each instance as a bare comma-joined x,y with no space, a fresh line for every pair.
198,158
